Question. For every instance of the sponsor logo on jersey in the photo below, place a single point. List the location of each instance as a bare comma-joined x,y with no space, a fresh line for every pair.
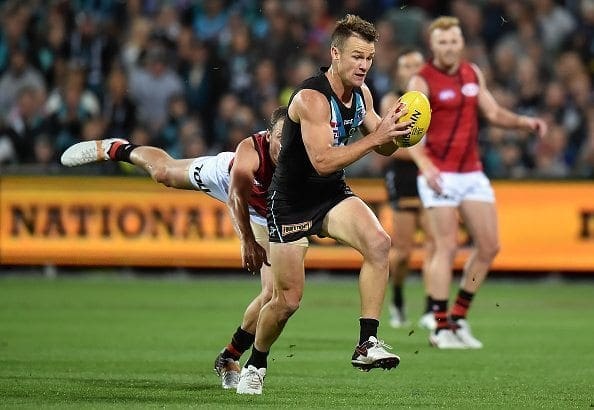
293,228
470,89
447,94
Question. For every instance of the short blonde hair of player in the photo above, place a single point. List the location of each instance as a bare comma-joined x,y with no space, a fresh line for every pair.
444,23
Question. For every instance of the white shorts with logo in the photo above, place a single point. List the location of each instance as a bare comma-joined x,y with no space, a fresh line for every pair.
210,174
456,187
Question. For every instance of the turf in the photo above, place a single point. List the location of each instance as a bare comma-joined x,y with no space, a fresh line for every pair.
114,342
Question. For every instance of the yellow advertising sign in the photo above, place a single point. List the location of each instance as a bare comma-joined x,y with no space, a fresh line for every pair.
93,221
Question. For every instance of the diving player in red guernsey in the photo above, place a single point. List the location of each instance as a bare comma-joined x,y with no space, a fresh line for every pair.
241,179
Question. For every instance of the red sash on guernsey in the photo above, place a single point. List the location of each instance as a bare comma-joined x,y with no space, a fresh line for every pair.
263,175
452,138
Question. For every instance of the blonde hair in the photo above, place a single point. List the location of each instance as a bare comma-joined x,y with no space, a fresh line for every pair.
444,23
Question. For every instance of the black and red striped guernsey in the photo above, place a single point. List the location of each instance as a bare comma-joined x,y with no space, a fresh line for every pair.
263,175
452,138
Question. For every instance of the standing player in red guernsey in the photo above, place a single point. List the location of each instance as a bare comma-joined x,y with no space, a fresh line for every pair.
241,179
451,179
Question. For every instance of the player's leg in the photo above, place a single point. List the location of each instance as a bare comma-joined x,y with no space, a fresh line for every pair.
442,217
227,362
404,227
353,223
480,219
443,223
156,162
427,320
287,262
162,167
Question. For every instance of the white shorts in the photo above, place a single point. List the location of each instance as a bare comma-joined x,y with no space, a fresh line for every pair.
210,174
456,187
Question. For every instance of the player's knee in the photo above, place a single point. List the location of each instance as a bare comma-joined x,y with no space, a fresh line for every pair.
489,251
378,246
265,295
285,308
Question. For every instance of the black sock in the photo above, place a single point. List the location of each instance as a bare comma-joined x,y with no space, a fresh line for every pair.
440,312
240,342
120,151
257,359
428,304
460,308
368,329
398,299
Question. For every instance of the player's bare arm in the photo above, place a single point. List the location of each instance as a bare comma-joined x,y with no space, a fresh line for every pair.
417,152
312,110
242,176
500,116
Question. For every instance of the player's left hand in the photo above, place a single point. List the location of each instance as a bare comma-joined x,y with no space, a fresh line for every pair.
253,256
537,125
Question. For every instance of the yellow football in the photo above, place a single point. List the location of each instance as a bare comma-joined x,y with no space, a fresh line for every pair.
419,112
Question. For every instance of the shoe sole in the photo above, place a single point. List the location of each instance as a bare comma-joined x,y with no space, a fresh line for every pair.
386,364
250,392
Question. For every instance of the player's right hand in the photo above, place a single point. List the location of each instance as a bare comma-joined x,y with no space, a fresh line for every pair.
253,256
389,128
433,176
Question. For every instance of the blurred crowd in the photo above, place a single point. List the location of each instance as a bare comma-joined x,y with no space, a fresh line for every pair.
195,77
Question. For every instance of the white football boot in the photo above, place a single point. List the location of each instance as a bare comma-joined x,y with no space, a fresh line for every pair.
427,321
87,152
397,317
372,354
446,339
251,380
228,370
465,335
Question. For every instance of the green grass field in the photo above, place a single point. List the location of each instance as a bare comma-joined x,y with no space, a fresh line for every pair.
114,342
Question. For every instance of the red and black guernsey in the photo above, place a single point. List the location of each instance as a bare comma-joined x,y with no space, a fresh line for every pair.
263,175
452,137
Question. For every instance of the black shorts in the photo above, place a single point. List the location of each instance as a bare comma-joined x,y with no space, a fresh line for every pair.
401,183
292,219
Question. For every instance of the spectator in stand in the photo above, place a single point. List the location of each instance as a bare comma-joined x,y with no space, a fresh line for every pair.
15,18
228,105
20,74
210,19
92,48
135,43
169,137
25,123
119,111
191,137
152,86
264,87
68,110
53,48
585,160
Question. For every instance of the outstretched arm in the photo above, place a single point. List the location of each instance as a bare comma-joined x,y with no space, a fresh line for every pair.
243,172
499,116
